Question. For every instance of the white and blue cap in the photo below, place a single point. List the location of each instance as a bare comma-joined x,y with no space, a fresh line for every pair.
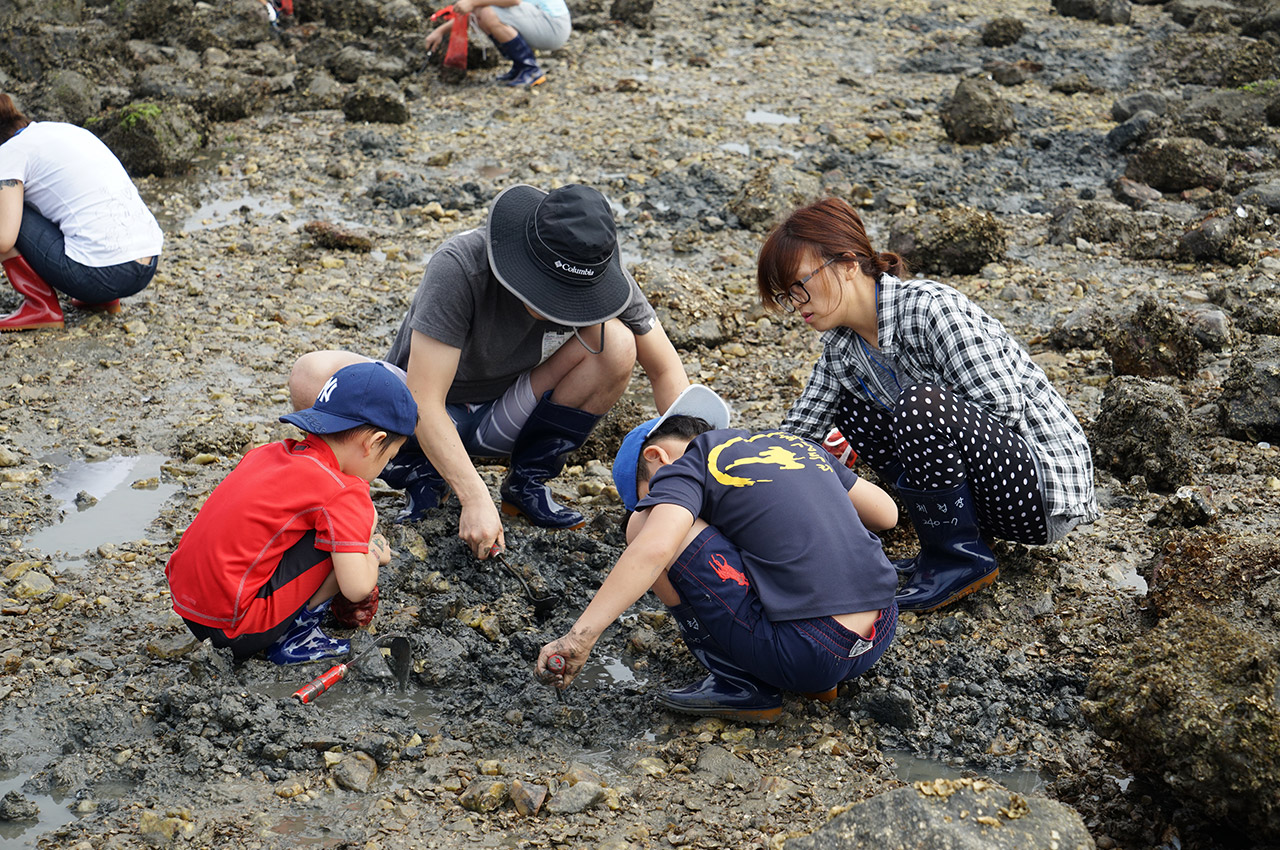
697,401
360,394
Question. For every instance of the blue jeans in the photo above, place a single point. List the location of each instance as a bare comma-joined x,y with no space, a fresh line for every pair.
804,656
41,244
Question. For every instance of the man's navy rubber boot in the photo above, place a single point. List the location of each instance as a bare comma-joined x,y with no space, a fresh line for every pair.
552,432
304,641
728,691
423,487
524,68
953,561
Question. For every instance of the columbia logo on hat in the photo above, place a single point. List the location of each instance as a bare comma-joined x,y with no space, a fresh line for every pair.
565,267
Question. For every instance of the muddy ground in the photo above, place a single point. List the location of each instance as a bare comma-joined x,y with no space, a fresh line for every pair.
117,730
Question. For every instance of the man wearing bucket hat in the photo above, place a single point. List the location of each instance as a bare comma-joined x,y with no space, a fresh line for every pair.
758,544
521,336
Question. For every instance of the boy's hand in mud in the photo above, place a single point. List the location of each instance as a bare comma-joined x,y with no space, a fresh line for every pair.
573,650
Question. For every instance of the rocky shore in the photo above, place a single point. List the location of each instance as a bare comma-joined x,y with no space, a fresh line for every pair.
1103,177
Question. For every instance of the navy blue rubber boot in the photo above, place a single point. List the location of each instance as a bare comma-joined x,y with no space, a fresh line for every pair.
423,487
552,432
953,561
728,691
305,642
524,67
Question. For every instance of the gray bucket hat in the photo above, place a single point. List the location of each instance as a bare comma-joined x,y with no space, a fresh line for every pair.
558,252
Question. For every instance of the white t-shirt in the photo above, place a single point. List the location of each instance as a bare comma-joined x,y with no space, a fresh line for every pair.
75,181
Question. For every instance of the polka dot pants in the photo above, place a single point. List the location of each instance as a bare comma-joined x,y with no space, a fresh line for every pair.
937,441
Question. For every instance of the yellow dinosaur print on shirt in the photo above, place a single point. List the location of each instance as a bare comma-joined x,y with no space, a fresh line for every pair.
774,456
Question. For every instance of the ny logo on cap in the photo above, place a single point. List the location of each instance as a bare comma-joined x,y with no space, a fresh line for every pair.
329,386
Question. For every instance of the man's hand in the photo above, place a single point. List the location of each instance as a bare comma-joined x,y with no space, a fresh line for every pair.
480,527
574,648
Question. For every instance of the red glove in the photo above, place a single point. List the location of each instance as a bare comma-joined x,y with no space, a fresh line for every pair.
355,615
835,443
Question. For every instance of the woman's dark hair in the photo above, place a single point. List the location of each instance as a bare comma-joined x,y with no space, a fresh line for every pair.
11,119
829,227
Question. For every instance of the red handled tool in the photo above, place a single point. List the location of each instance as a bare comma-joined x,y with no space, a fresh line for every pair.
401,662
556,664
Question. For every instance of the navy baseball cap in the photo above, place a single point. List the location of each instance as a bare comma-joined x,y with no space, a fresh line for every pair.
360,394
696,400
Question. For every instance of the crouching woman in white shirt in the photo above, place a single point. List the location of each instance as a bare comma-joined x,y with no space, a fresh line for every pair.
71,221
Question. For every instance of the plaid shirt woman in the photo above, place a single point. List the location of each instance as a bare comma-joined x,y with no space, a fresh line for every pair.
935,395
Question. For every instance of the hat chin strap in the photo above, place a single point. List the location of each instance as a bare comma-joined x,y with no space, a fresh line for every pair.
577,334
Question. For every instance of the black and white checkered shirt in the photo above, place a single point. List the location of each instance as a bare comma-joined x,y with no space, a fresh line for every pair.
930,333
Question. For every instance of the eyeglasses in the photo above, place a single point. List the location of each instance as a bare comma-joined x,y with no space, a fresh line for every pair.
796,294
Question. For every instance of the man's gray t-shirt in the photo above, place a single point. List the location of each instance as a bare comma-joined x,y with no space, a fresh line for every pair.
461,304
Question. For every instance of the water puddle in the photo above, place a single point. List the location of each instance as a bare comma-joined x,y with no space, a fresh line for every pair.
493,172
910,768
737,147
761,116
121,512
220,213
608,671
15,834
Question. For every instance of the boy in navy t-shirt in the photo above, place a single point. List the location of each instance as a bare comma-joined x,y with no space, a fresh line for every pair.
759,546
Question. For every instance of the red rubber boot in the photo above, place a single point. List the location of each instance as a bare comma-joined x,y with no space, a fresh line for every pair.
40,305
112,306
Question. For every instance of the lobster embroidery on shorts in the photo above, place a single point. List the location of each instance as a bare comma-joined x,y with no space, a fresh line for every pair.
725,571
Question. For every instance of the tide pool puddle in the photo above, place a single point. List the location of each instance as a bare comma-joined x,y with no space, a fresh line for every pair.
911,768
761,116
121,513
220,213
15,834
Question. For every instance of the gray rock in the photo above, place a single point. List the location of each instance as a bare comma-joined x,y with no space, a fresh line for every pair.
770,193
1185,12
1081,328
1218,237
1176,164
1153,341
377,101
1135,129
951,241
576,798
1264,195
14,806
219,94
976,114
893,705
351,63
355,772
635,13
1187,507
443,662
153,139
66,95
1250,400
1144,235
1142,428
1105,11
1193,703
720,767
1130,105
1002,32
951,815
1134,194
1223,118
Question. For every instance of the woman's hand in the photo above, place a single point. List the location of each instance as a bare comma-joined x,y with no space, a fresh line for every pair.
464,7
436,36
574,649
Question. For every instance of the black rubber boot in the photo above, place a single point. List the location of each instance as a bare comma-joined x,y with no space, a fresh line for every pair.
953,561
728,691
538,455
423,487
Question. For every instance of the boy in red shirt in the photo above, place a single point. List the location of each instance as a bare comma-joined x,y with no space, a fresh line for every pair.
293,526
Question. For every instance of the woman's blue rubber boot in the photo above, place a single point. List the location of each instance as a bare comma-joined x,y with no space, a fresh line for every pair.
305,642
953,561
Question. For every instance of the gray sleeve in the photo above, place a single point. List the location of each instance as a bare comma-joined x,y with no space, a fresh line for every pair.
638,315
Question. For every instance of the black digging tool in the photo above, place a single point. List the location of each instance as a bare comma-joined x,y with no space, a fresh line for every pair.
535,589
400,661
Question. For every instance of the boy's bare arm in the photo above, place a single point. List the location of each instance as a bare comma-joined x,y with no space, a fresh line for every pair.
875,507
643,561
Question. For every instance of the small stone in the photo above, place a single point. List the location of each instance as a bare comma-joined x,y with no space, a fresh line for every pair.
355,772
31,585
14,806
527,797
579,772
8,457
651,766
484,795
576,798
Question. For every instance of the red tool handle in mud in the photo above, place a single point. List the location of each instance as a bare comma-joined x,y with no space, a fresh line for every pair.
456,55
321,683
555,663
